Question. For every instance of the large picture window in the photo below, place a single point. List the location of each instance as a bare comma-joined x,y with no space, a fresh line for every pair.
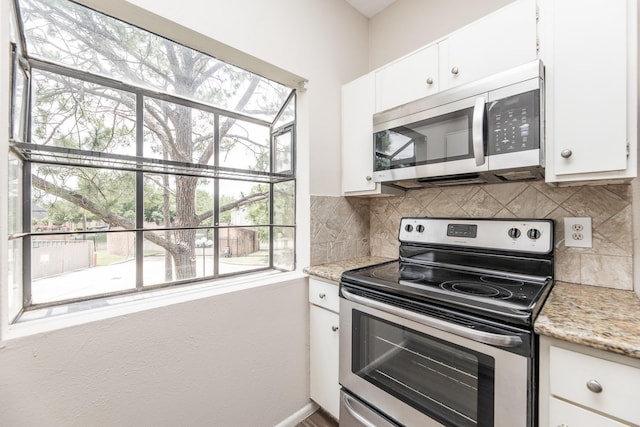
137,162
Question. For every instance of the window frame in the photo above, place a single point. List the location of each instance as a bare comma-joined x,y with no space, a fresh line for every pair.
31,153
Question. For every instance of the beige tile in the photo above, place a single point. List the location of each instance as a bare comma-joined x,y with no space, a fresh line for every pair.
336,251
555,193
506,192
607,271
567,266
319,253
531,204
425,196
504,213
621,190
481,204
596,202
460,194
443,206
408,207
557,215
603,246
618,229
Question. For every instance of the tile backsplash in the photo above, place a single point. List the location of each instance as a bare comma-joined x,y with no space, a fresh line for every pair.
343,227
339,228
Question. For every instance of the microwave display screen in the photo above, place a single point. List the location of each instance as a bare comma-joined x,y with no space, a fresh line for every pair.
443,138
513,123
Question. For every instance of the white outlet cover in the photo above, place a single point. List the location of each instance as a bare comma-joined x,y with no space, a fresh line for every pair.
587,238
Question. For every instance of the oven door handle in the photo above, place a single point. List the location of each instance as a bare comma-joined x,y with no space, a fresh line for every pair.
461,331
348,404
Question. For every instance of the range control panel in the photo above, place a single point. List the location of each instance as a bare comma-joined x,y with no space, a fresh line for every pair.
532,235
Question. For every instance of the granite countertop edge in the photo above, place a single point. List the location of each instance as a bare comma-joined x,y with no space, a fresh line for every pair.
333,271
595,316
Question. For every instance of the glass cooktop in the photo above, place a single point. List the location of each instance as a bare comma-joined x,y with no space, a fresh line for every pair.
466,290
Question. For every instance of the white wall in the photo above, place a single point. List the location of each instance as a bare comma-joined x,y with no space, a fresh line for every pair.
409,24
238,359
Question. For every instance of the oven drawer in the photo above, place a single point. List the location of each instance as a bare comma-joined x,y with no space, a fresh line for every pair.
324,294
594,383
565,414
354,413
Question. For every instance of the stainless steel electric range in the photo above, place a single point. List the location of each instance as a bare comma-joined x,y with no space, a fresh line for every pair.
444,335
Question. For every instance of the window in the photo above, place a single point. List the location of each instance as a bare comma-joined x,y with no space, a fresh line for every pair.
136,162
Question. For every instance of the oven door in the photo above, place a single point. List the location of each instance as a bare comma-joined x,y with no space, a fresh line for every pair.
423,375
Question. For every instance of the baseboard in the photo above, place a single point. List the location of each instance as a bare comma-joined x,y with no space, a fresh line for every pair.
299,415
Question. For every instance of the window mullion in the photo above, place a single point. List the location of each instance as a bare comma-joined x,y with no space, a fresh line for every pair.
26,227
216,198
139,193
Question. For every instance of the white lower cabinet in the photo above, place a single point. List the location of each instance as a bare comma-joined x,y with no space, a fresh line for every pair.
563,414
581,386
323,342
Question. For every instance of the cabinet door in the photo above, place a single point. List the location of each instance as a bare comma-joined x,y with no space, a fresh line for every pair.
325,390
358,98
572,375
410,78
497,42
563,414
588,86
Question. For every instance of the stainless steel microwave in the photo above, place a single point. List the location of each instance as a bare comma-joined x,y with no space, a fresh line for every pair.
490,130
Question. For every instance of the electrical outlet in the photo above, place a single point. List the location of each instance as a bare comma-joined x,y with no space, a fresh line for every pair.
577,232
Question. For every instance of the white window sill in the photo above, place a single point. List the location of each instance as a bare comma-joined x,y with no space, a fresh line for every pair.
63,316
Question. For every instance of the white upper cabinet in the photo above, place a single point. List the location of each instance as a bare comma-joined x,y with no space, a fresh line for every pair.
413,77
358,101
589,48
499,41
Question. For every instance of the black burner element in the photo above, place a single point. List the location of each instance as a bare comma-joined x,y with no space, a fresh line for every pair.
477,289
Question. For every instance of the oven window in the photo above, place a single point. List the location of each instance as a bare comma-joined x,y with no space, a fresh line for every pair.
449,383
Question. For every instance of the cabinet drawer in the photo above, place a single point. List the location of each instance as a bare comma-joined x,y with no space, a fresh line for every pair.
324,294
570,372
565,414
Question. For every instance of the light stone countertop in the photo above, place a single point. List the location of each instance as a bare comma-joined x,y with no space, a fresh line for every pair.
594,316
334,270
598,317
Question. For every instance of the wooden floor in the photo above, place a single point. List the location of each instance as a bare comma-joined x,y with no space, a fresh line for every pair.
319,419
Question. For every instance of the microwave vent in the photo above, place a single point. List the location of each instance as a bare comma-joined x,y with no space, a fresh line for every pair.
470,178
521,175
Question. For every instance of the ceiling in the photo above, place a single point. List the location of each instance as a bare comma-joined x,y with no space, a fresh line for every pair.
369,7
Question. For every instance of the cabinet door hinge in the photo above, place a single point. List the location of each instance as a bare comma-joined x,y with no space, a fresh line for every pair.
628,148
537,13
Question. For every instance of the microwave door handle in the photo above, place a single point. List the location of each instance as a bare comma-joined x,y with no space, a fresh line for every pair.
477,131
461,331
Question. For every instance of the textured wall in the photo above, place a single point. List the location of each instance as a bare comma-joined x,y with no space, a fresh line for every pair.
343,228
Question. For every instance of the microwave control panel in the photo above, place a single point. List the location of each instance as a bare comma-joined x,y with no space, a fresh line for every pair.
513,123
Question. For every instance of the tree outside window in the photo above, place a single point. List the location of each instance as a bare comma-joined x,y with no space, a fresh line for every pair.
150,163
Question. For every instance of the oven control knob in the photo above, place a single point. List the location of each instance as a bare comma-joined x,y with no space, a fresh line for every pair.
408,228
419,228
514,233
534,233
